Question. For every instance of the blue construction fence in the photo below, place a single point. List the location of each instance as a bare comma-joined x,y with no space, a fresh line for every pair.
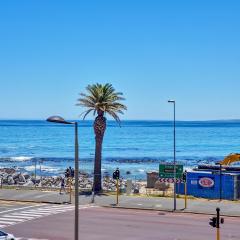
211,185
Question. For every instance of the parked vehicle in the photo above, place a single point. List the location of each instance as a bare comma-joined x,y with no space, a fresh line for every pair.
6,236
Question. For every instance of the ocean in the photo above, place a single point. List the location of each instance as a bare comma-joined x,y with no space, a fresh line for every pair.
136,146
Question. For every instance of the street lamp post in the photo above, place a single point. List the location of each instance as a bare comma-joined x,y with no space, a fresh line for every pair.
174,153
76,182
58,119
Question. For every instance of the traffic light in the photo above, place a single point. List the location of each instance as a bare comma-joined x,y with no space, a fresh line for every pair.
213,222
116,174
184,176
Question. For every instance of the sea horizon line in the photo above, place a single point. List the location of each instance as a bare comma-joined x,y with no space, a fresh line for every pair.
129,120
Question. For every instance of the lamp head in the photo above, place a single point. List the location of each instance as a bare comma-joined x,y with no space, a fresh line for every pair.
58,119
171,101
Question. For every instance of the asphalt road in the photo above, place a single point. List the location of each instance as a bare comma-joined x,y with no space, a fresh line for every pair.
107,223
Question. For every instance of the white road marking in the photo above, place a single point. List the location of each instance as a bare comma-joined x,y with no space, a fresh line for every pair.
34,213
6,222
23,214
57,208
23,238
40,212
17,209
28,214
17,215
9,219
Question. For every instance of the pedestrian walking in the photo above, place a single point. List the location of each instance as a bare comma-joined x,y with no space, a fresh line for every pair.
62,188
67,173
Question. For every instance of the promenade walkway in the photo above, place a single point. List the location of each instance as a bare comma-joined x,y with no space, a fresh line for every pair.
229,208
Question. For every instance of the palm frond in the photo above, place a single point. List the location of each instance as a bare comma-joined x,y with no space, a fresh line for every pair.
103,98
85,113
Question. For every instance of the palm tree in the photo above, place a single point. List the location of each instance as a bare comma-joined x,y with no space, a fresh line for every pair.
101,99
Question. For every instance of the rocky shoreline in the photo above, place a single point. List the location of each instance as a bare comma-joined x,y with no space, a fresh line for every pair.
14,177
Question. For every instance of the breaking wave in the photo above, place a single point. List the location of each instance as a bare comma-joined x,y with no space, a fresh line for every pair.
44,168
16,159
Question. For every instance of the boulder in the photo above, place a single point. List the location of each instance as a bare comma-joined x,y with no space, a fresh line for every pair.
4,180
15,176
29,183
4,177
10,180
26,176
9,171
88,186
21,178
35,181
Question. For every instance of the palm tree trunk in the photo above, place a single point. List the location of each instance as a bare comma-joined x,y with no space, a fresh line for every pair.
98,164
99,129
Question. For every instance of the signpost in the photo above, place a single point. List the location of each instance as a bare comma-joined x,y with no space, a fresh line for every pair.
167,171
173,172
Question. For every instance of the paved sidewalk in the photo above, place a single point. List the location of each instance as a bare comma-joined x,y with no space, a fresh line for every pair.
34,196
230,208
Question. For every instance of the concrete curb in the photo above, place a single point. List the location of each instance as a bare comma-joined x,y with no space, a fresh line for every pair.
167,210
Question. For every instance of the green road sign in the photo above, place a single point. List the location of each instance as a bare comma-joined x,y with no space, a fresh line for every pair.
167,171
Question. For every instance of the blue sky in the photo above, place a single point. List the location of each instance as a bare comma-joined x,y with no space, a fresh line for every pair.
150,50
